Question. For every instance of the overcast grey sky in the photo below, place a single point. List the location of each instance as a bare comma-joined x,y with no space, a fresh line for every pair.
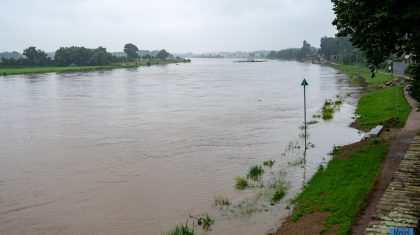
176,25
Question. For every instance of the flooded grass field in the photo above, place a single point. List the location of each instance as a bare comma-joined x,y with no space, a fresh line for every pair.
139,151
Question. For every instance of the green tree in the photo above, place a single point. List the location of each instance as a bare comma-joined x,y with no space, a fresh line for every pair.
340,49
147,57
80,56
329,47
131,51
163,54
271,55
305,51
35,57
100,57
382,28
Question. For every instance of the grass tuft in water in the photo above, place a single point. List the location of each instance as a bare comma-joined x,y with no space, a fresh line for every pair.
312,122
221,200
327,110
204,221
338,102
316,116
182,229
268,163
241,182
279,190
207,222
330,106
255,172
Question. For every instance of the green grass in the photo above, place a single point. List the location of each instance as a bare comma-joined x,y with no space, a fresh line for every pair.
358,71
32,70
329,107
255,172
241,183
342,188
206,222
53,69
279,191
379,106
338,102
182,229
327,112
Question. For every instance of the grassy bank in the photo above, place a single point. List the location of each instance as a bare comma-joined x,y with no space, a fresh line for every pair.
333,199
339,191
385,106
379,106
52,69
362,75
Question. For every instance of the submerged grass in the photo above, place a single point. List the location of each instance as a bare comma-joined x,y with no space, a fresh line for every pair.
241,182
221,200
327,112
343,186
255,172
279,191
329,108
206,222
268,163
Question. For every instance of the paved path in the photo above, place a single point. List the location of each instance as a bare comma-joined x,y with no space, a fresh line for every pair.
399,206
392,161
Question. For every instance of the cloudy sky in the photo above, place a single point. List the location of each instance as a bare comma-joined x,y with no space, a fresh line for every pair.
176,25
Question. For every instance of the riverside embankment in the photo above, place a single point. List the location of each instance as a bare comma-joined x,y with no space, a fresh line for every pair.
334,198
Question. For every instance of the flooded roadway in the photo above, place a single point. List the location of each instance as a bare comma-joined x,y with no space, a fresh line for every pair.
136,151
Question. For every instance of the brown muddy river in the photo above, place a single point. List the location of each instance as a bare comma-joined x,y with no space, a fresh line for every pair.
136,151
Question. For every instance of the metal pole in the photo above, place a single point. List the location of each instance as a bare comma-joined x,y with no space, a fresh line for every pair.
304,107
304,84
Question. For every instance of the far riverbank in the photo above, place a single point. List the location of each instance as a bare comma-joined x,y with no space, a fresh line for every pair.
55,69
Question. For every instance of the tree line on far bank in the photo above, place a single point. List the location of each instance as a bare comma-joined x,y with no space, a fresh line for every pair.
299,54
79,56
332,49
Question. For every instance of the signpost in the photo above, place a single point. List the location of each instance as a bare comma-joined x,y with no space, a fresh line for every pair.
304,84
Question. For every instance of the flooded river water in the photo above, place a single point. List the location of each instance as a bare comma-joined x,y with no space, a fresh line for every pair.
136,151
